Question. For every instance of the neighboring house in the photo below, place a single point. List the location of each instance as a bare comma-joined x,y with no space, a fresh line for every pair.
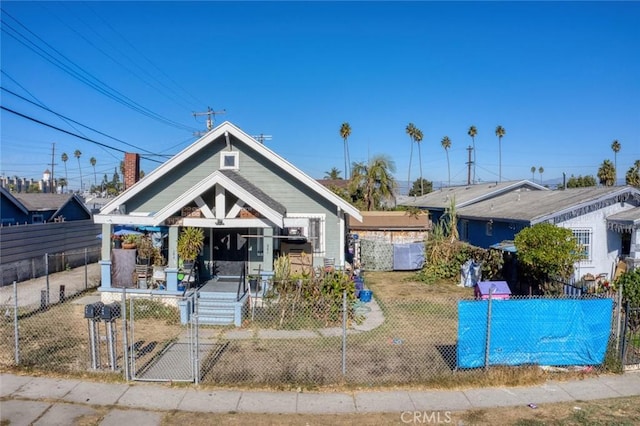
251,203
391,226
34,208
438,201
605,220
389,240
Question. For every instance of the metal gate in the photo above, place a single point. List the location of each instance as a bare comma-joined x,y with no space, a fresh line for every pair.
630,352
163,338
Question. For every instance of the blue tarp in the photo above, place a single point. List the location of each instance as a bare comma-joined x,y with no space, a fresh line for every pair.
539,331
408,257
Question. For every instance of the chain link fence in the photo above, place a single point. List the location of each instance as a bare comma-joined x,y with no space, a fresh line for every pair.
297,338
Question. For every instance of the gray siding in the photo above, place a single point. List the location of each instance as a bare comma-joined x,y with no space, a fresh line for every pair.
277,183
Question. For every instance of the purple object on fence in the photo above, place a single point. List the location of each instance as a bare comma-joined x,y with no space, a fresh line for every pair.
500,290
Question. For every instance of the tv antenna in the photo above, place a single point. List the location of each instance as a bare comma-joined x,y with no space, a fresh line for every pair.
262,137
210,118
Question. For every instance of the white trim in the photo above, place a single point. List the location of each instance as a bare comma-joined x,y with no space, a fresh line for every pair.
226,223
204,208
208,138
321,251
227,154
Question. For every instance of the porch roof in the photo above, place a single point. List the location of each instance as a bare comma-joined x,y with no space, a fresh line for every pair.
624,221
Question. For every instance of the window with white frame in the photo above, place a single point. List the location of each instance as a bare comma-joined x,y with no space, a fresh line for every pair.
584,238
313,229
229,160
37,218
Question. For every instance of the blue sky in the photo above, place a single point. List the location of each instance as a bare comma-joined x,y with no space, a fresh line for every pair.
561,78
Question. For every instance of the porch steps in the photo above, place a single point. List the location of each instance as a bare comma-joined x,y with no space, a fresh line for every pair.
219,308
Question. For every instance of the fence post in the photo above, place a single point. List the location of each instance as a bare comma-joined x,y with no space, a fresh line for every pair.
619,304
46,273
344,332
16,330
125,343
488,346
86,271
624,334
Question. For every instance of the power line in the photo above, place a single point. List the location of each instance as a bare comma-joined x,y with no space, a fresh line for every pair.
73,121
35,120
82,76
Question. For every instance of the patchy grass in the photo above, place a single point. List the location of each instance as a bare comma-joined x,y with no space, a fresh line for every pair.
618,411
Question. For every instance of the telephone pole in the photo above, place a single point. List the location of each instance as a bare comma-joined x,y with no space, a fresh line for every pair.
53,155
210,118
469,163
262,137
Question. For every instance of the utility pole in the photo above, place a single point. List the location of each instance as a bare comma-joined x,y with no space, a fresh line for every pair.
53,155
210,119
262,137
469,163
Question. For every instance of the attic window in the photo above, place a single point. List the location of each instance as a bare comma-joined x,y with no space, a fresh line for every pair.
229,160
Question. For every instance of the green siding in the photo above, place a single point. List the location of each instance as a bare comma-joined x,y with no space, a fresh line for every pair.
260,171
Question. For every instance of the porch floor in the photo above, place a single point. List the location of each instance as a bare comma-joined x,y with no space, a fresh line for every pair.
220,285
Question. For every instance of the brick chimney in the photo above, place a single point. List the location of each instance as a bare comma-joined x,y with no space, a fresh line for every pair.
131,169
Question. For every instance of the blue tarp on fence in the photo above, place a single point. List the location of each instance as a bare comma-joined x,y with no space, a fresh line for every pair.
539,331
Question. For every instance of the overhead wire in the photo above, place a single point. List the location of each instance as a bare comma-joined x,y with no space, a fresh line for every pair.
146,81
76,122
79,73
35,120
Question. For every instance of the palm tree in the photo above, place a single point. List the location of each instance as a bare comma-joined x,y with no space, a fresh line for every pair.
64,157
78,154
541,171
615,146
533,173
333,174
374,181
446,144
92,160
607,173
633,175
411,131
418,139
500,132
473,132
345,132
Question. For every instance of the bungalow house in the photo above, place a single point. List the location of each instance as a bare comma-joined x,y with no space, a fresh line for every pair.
438,201
605,220
251,203
33,208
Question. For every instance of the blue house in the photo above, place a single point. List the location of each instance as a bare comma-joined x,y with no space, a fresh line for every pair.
33,208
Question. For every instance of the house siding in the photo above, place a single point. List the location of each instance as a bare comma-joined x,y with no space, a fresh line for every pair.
605,244
261,172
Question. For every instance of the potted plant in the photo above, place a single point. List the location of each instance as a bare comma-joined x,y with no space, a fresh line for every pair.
117,241
129,241
190,242
145,250
159,263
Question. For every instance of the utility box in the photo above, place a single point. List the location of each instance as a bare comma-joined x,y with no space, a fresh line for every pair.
93,310
110,312
499,290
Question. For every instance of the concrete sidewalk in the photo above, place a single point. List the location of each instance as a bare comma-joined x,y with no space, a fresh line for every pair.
26,400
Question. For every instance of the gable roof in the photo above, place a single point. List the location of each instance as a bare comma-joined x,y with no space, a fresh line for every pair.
224,130
540,206
465,195
39,202
13,200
